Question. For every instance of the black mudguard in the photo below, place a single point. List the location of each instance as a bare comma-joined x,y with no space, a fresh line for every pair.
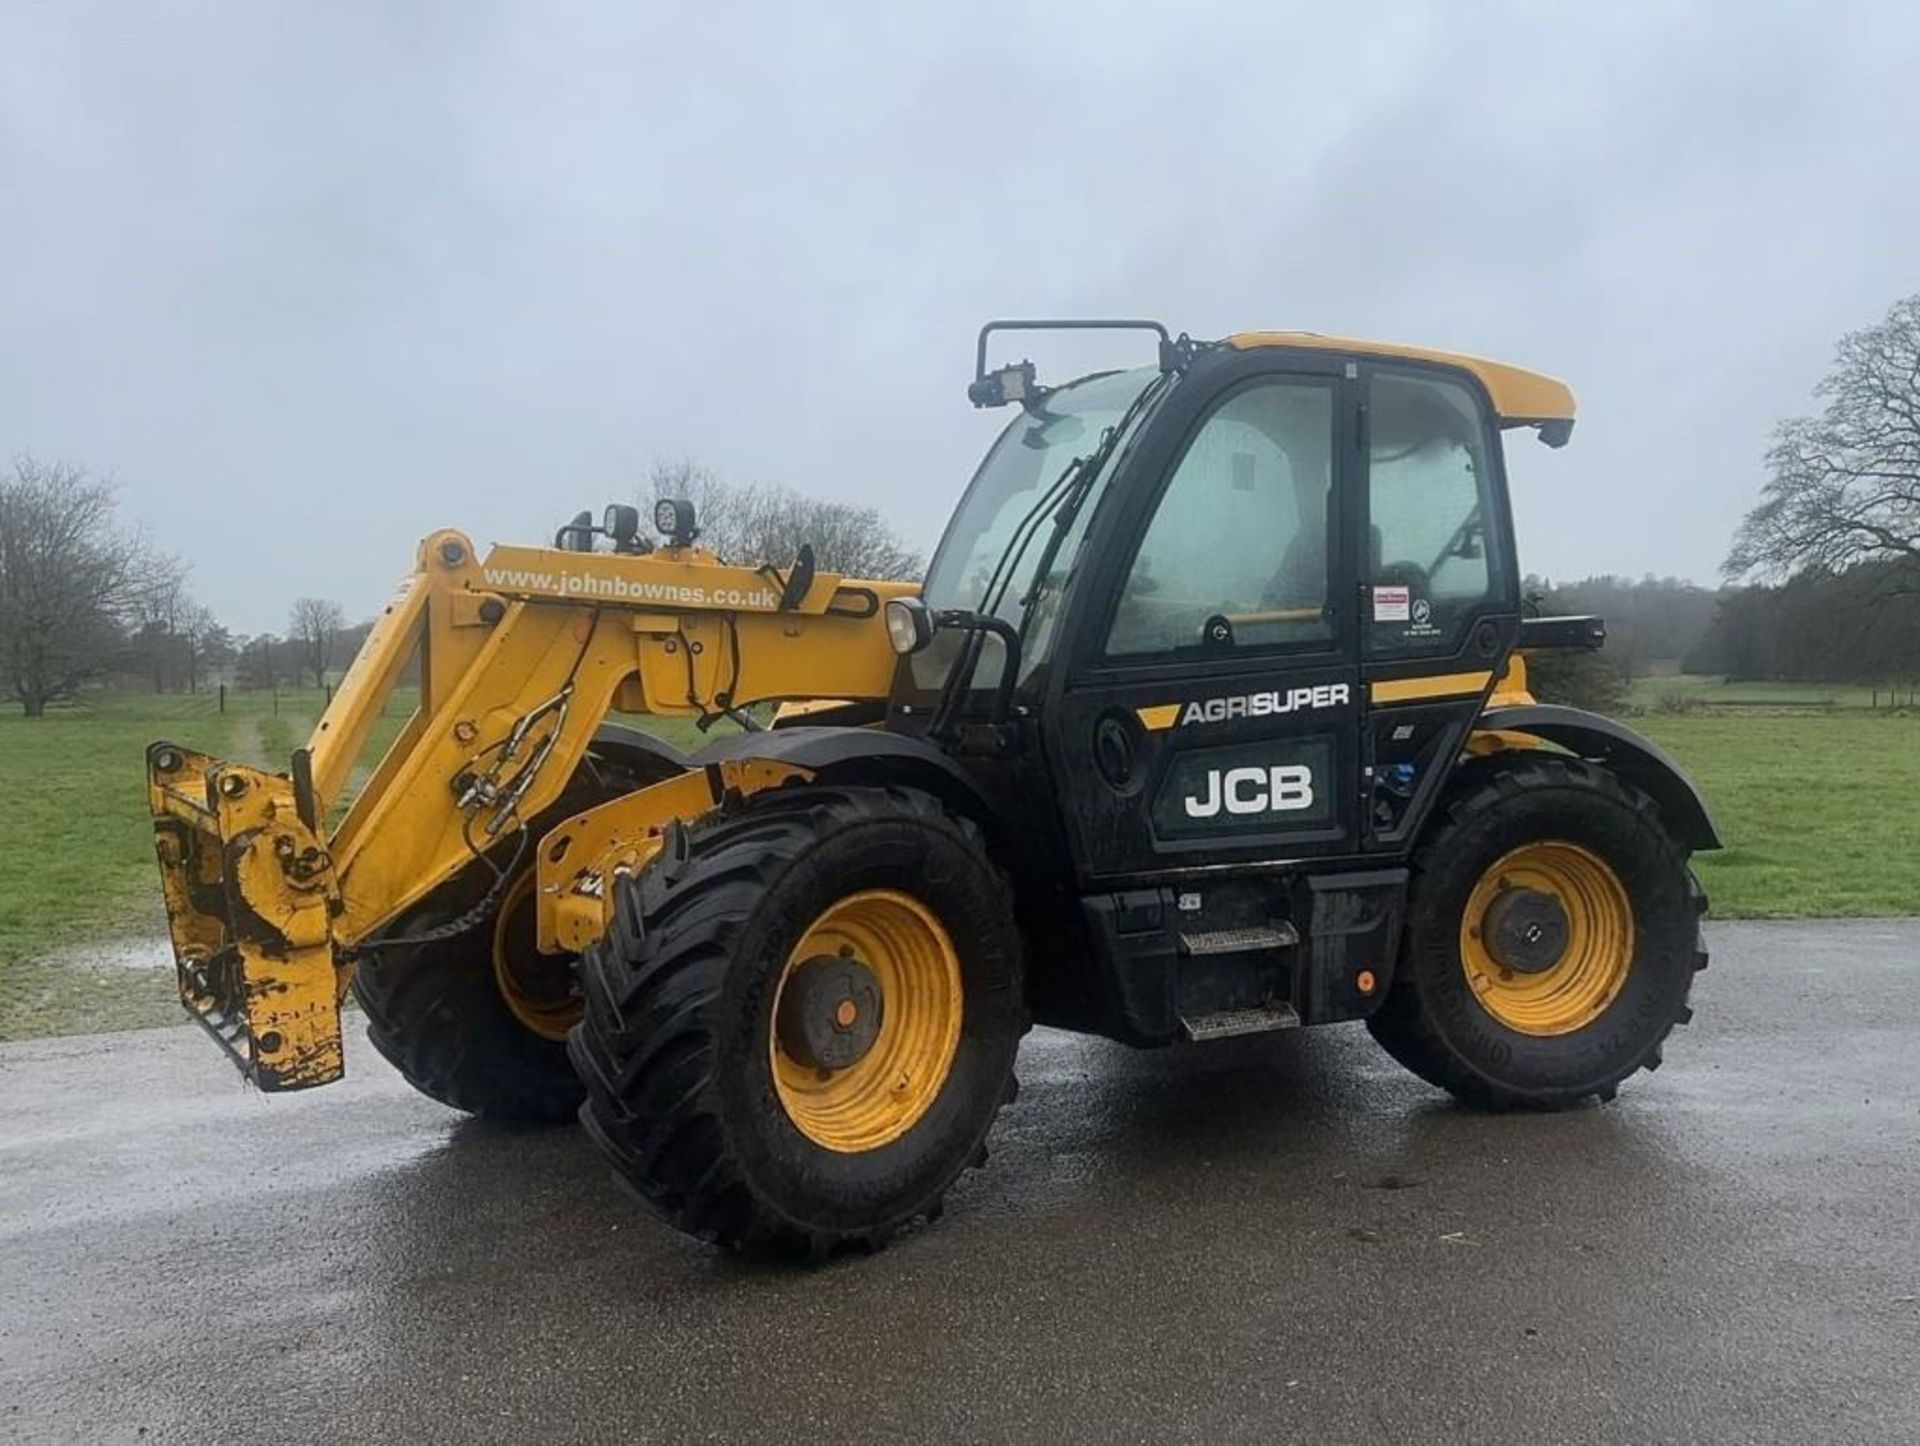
858,755
654,757
1638,760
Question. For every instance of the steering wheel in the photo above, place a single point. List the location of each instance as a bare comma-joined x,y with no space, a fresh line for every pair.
1409,575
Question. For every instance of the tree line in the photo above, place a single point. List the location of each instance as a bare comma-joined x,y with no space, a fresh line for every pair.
1821,583
86,602
1857,625
1832,550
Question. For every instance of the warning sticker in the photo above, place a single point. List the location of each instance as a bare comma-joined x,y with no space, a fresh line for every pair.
1392,604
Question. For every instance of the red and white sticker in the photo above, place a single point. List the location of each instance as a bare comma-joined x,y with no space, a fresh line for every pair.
1392,604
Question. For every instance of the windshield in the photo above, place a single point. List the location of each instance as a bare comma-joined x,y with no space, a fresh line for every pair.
1025,462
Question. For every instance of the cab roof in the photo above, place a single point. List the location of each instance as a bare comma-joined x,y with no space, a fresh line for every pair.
1519,397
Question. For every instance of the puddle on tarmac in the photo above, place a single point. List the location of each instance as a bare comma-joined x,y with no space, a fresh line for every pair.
138,953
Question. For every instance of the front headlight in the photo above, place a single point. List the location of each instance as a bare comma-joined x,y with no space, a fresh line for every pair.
909,625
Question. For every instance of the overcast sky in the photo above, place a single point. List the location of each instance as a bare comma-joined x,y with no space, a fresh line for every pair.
309,282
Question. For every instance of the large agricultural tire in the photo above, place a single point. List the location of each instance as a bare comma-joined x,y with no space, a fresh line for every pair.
867,910
1527,854
439,1011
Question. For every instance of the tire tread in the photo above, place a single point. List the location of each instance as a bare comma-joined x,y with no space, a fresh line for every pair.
1405,1029
647,1047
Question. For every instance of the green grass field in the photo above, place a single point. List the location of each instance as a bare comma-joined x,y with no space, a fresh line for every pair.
1815,792
1813,785
77,868
1657,692
1819,812
79,891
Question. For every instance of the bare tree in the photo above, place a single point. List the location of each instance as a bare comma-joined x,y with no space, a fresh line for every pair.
260,661
159,609
312,626
762,523
71,579
204,639
1844,487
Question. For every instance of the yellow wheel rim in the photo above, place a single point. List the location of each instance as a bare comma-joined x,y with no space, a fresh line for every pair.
1590,969
883,1094
537,988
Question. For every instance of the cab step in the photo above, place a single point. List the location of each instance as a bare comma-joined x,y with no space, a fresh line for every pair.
1240,941
1229,1022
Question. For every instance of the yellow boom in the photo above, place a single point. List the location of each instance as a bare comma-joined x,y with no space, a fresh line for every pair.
522,654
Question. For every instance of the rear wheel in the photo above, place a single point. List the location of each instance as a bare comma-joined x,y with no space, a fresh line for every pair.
804,1018
1552,938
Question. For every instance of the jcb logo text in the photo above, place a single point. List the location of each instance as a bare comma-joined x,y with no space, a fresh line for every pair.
1278,788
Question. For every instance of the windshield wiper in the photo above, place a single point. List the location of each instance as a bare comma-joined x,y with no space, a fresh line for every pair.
1067,495
960,675
1081,489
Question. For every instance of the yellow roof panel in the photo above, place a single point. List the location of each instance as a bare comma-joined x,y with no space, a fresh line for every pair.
1518,395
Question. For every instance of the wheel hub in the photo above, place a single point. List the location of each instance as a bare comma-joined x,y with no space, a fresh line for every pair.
1547,938
831,1009
1526,930
874,981
537,988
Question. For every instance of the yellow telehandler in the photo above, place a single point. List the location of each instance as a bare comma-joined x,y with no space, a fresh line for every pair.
1211,718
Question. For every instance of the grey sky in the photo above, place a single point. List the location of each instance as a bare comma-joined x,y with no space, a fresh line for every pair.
312,282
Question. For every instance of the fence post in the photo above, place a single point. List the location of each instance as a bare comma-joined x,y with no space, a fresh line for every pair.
329,690
276,700
223,697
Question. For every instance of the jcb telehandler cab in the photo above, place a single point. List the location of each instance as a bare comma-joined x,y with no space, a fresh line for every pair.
1211,718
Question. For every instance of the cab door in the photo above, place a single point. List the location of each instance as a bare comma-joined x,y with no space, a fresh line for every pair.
1440,605
1209,710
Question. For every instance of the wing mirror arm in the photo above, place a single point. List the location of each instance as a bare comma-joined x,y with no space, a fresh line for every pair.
1009,636
911,626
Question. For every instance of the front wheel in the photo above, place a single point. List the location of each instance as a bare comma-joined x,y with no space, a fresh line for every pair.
803,1019
478,1019
1553,932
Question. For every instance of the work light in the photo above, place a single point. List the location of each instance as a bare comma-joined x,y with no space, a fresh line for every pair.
909,625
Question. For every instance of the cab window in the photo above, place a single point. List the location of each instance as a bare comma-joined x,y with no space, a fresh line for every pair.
1431,551
1236,553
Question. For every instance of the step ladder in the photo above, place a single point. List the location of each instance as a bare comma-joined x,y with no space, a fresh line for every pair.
1241,941
1229,1022
1257,1020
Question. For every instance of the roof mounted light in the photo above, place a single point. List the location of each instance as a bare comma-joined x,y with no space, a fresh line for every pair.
673,518
1009,384
621,522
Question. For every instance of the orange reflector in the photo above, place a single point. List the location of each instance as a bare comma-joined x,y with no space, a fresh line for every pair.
1365,982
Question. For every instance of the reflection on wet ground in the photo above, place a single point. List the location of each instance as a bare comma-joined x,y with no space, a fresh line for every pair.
138,952
1240,1241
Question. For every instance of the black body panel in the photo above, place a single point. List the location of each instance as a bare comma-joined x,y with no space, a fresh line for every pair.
1138,797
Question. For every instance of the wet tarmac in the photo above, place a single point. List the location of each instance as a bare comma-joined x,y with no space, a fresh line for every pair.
1266,1239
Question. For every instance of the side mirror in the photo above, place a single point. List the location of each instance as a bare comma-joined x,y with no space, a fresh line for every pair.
910,625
